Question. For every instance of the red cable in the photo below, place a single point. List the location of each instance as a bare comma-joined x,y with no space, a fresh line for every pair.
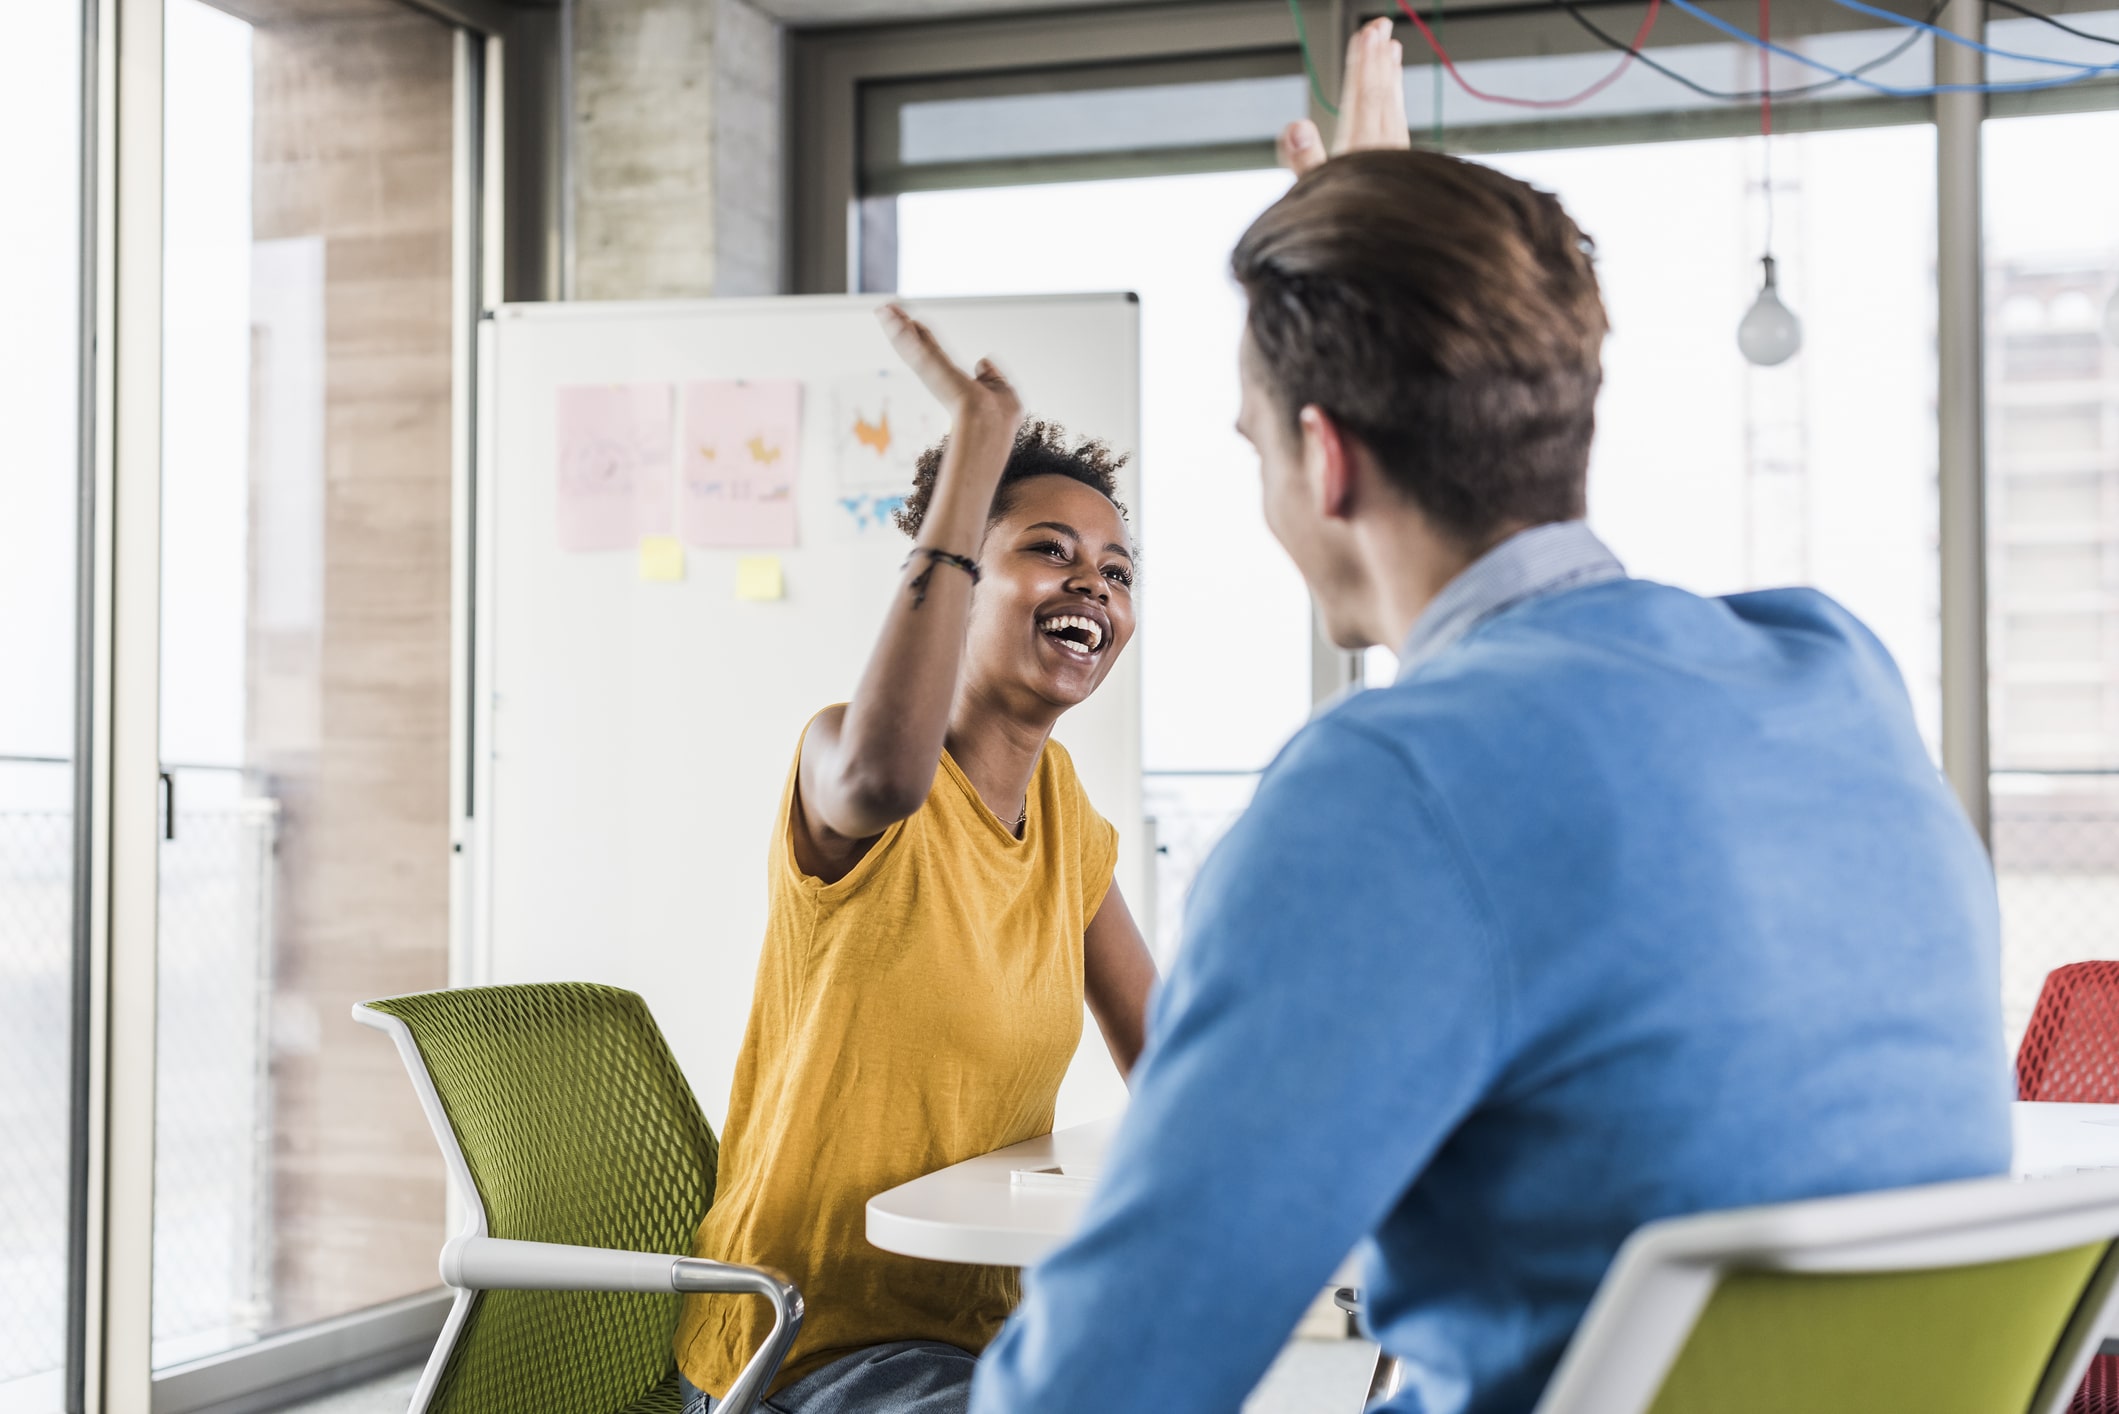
1449,65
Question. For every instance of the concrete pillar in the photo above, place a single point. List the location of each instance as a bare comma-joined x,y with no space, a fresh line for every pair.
676,148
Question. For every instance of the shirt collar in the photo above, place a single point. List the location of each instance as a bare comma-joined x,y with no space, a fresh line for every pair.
1530,564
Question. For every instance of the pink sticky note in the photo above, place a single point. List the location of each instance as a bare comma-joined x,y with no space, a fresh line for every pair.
614,465
742,455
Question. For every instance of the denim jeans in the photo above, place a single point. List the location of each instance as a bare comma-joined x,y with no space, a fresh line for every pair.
904,1377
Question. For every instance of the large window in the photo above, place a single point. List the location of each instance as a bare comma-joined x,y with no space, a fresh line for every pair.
40,243
1708,472
1225,621
2052,299
306,478
1719,476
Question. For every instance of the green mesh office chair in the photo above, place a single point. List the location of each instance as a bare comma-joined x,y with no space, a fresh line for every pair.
584,1166
1984,1297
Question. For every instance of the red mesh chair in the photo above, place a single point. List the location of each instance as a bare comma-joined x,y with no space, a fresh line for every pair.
2070,1055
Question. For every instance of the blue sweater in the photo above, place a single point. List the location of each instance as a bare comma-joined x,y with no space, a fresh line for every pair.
1629,904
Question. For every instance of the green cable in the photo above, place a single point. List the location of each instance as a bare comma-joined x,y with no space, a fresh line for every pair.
1309,65
1438,76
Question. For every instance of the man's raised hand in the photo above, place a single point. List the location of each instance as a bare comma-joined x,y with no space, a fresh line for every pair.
1371,104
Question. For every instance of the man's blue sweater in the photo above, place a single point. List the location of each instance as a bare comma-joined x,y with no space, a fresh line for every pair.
1627,904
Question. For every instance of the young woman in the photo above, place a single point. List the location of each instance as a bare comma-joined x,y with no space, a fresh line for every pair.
941,904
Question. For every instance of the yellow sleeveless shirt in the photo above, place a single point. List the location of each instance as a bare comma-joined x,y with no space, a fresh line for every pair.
918,1012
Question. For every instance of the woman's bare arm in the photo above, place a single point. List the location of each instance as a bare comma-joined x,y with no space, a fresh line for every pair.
871,764
1120,976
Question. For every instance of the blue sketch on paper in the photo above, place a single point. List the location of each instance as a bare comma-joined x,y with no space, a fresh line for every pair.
870,512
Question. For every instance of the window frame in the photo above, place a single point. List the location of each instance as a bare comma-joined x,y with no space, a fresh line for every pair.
506,195
842,229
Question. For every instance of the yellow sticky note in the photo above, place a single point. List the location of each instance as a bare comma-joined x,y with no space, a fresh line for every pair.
661,558
758,577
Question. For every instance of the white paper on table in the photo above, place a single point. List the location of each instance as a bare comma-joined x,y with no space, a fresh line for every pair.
1066,1178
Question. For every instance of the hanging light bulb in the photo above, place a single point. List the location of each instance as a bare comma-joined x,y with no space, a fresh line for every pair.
1770,333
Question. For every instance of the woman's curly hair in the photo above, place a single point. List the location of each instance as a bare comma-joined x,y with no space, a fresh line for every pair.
1040,449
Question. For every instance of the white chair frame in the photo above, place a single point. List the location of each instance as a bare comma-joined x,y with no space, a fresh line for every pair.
473,1261
1645,1309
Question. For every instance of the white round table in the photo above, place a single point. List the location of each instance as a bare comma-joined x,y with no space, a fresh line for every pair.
976,1212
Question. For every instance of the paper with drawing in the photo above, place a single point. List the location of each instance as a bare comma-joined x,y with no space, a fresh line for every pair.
881,422
614,464
742,457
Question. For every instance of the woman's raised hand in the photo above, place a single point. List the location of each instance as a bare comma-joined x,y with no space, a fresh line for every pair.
1371,104
982,401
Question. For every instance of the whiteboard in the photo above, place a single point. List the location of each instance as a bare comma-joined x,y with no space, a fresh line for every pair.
629,740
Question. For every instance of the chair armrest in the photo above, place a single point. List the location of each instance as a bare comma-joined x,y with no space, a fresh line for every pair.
697,1274
501,1264
498,1264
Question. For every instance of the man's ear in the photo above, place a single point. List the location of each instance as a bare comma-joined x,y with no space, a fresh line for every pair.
1327,462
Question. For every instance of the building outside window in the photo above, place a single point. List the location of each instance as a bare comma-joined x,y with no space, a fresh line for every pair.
2052,308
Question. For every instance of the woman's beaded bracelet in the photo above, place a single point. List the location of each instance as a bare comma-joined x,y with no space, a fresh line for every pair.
937,557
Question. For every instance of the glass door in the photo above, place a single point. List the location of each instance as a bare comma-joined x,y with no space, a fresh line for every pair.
308,321
40,304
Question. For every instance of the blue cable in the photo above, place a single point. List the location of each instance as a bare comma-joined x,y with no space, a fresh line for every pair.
2085,70
1888,90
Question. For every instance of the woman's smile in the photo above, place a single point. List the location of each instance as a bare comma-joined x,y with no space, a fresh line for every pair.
1080,629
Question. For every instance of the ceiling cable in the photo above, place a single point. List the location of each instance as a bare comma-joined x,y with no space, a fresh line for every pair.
1893,90
1861,7
2030,14
1450,67
1754,95
1764,95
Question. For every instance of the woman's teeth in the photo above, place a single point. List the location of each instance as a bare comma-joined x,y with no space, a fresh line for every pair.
1092,633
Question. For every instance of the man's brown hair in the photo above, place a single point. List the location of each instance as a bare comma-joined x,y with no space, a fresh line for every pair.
1445,315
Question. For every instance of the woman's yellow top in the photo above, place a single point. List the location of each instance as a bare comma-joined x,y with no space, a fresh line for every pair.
918,1012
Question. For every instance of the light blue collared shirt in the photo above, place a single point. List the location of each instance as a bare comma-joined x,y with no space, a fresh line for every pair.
1545,559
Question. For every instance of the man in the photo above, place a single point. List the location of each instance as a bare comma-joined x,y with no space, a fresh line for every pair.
1621,903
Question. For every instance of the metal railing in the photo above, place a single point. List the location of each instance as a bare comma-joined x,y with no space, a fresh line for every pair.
2056,861
36,1005
1190,811
213,1194
213,1079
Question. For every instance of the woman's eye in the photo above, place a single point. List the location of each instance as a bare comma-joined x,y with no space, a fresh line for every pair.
1050,547
1120,575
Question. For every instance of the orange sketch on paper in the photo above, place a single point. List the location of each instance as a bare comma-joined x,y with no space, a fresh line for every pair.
874,435
881,422
748,500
